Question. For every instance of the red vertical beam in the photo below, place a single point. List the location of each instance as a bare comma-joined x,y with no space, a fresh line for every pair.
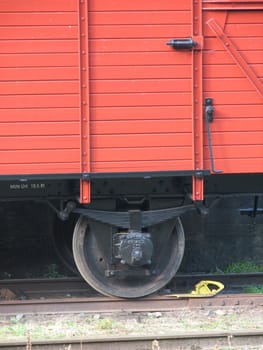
85,117
197,101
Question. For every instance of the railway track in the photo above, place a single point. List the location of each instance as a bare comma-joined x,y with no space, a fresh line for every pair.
107,305
76,286
74,295
206,340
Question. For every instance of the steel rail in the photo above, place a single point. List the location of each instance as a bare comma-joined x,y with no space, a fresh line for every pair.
108,305
170,341
72,295
34,288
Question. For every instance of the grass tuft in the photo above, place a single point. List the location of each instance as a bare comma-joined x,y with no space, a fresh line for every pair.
243,266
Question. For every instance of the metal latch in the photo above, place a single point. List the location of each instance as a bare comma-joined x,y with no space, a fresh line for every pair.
182,44
209,117
203,289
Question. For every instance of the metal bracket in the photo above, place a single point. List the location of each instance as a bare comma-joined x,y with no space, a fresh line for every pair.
252,212
209,117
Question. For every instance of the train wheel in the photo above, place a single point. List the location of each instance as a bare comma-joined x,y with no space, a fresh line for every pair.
92,250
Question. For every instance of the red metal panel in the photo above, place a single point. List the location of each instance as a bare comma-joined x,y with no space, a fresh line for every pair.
141,165
39,87
39,156
38,6
39,101
136,16
42,168
39,128
139,112
39,46
142,117
140,127
31,18
144,72
140,99
142,154
229,70
140,58
138,31
233,54
39,32
232,5
40,142
39,73
138,5
149,85
246,137
40,114
237,124
155,140
40,60
238,151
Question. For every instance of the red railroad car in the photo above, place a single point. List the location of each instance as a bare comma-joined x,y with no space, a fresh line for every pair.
124,115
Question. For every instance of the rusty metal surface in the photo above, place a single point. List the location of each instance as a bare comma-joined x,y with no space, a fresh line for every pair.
206,340
107,305
36,288
76,286
74,295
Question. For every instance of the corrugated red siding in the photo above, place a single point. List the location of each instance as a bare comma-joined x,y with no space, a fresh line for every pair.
140,88
237,130
141,100
39,87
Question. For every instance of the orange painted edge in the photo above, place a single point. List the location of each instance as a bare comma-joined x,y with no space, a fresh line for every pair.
197,98
85,114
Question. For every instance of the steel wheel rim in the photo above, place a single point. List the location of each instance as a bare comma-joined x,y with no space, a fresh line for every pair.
85,263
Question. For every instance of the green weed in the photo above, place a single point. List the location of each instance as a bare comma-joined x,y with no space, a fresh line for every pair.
105,324
243,266
254,289
52,272
18,329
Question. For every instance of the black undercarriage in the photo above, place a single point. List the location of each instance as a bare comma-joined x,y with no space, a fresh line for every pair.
131,234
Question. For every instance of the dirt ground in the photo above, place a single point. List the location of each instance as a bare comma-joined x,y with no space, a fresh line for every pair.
62,326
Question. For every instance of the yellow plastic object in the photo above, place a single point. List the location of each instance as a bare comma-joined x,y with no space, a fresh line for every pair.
203,289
